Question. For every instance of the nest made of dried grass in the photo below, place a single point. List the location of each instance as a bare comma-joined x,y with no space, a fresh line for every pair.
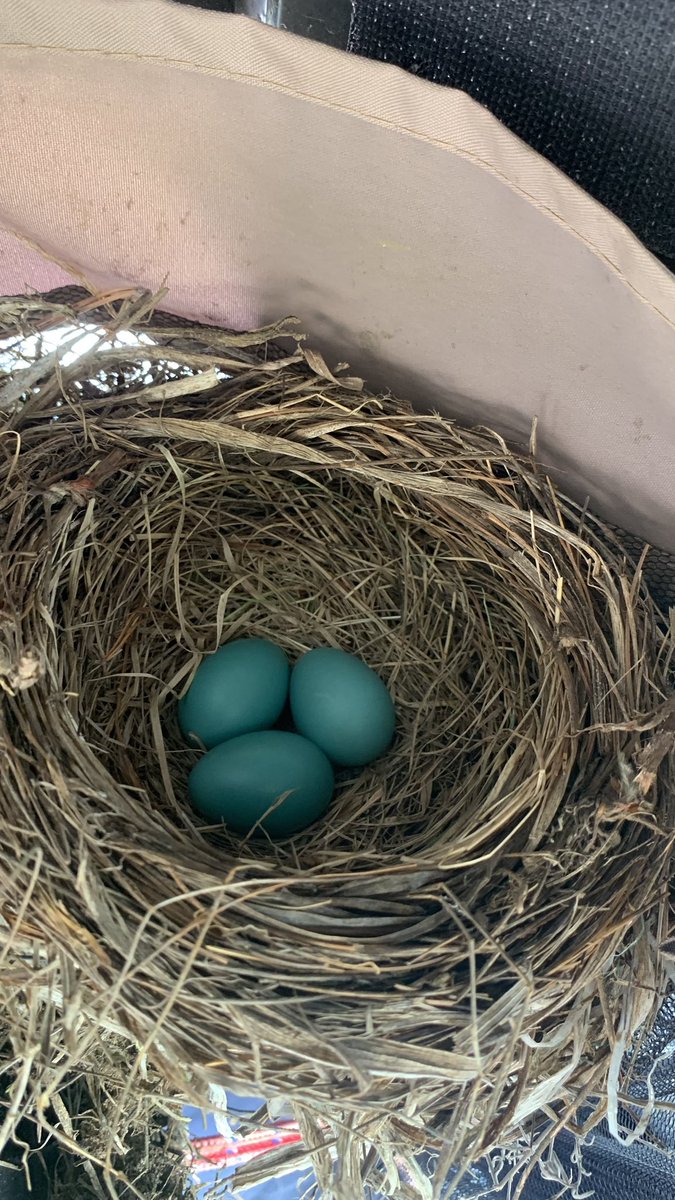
459,956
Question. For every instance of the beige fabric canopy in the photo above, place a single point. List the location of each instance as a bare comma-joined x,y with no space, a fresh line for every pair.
258,175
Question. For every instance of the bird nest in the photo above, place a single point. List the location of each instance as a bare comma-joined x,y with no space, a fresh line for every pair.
459,955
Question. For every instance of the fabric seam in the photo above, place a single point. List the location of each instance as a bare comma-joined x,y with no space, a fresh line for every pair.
371,118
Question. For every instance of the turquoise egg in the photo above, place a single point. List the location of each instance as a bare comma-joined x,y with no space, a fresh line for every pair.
343,706
241,688
240,780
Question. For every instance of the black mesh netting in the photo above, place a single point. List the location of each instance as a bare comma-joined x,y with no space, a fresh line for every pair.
588,83
602,1167
659,567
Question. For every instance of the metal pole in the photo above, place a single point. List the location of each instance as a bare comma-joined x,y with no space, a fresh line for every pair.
325,21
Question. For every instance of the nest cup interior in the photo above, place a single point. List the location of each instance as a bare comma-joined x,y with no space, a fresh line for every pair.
509,839
187,555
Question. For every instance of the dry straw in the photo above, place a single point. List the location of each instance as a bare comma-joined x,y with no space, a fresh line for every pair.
460,955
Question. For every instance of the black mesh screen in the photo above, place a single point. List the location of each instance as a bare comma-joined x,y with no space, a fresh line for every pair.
588,83
659,567
604,1168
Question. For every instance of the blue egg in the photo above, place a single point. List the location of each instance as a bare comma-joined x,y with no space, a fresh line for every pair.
239,782
342,706
241,688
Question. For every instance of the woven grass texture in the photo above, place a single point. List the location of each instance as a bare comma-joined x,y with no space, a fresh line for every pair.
460,954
